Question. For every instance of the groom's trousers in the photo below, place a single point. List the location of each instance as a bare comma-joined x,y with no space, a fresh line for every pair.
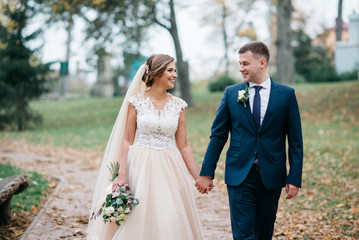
253,208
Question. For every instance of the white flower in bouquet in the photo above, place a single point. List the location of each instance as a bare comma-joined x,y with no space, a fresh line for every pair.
111,209
112,219
105,211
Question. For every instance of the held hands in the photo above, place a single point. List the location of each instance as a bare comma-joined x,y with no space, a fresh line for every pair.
291,191
204,184
119,181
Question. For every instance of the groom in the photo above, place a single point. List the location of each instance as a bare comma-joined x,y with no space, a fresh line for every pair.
256,159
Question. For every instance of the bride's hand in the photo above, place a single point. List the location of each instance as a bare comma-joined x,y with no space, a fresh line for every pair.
119,181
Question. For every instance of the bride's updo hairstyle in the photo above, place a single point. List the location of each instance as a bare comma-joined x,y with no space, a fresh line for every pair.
155,66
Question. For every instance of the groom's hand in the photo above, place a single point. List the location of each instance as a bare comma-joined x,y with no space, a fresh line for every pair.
291,191
204,184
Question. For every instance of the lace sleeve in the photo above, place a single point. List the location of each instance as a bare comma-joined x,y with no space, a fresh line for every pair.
181,104
134,101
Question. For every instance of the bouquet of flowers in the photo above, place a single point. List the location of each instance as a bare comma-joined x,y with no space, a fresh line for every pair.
117,204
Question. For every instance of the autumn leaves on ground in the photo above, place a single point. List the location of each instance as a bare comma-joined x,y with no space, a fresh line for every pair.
328,204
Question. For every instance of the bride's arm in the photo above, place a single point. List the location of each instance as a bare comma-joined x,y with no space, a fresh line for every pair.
183,146
128,138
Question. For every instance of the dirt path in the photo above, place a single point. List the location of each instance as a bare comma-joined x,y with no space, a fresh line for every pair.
65,214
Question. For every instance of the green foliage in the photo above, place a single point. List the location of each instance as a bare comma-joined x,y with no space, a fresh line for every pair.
121,23
312,62
324,70
32,194
221,83
22,77
353,75
114,168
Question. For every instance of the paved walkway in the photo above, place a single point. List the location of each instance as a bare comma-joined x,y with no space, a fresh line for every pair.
65,215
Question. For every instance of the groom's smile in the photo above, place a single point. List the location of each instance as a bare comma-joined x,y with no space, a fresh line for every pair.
252,67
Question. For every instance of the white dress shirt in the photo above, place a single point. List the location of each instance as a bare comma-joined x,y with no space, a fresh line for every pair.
264,93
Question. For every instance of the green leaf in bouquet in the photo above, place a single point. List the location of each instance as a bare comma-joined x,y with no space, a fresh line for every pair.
108,197
123,189
119,201
114,168
122,196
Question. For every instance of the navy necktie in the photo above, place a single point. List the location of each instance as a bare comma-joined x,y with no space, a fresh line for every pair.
257,107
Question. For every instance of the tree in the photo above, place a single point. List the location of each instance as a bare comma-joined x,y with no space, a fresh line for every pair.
22,77
65,11
285,60
312,62
109,23
339,21
227,25
303,54
170,24
127,22
119,23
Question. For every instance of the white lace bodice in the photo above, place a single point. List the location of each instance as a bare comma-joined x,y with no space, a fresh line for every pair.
157,128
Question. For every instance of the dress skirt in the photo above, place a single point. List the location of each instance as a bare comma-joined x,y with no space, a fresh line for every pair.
160,180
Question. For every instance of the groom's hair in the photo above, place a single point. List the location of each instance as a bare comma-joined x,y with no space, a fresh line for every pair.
257,48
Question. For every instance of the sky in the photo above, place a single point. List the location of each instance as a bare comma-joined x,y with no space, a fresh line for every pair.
199,46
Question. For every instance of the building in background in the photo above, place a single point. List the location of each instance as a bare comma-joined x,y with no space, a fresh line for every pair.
327,38
346,53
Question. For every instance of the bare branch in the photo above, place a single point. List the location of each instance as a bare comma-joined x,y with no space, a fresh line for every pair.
161,24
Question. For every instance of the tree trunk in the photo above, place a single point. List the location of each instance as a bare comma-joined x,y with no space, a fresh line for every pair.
339,21
225,37
285,59
68,54
271,40
185,87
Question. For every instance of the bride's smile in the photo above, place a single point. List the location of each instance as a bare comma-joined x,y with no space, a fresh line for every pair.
168,78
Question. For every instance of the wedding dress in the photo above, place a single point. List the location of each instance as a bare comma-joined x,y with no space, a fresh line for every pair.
156,174
158,177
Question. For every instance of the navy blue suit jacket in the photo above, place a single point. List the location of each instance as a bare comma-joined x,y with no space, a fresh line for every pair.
281,121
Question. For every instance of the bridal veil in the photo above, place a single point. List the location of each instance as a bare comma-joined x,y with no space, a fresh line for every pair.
97,229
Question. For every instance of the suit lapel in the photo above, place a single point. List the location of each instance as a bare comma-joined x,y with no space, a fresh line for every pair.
272,98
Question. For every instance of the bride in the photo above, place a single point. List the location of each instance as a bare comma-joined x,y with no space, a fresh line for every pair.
149,140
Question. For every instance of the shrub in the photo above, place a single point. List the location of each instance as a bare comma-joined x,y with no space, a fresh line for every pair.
353,75
221,83
297,78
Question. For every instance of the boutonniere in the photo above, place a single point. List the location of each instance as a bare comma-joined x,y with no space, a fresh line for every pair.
243,96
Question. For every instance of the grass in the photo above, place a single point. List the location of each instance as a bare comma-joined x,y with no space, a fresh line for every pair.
329,111
31,197
84,123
